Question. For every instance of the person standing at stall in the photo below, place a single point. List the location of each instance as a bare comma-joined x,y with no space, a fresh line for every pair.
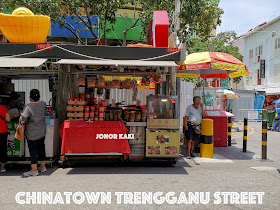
4,117
193,118
33,116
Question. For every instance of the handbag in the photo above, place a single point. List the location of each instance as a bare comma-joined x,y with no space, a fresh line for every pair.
197,129
20,132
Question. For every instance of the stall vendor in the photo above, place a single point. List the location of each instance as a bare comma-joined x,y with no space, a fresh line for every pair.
193,118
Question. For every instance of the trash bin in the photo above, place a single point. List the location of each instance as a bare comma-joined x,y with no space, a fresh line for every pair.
271,116
220,127
265,115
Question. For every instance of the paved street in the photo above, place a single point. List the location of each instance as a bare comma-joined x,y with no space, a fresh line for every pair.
229,171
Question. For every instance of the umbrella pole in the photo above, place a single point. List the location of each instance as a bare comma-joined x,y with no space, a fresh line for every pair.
203,93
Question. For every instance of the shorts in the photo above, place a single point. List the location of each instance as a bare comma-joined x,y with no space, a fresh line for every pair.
191,135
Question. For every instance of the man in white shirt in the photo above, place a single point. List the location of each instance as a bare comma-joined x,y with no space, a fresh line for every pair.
193,117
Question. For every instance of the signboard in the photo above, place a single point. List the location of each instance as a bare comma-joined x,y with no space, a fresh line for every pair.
172,50
262,69
225,87
162,143
253,115
163,123
224,81
43,46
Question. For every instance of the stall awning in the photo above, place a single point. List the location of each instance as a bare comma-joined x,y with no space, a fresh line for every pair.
21,62
119,63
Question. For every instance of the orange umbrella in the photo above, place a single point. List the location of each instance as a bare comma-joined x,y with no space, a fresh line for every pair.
212,65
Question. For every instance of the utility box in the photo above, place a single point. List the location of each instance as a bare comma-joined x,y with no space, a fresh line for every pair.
220,123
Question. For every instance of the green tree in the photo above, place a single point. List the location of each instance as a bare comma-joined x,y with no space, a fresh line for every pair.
221,43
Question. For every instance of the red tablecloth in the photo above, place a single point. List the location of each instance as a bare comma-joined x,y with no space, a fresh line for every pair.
80,137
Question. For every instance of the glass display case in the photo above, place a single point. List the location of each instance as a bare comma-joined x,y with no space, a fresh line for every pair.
162,107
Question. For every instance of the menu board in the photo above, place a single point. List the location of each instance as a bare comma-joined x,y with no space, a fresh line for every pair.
162,143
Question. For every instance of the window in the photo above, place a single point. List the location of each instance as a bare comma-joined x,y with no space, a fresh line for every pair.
277,43
260,50
251,52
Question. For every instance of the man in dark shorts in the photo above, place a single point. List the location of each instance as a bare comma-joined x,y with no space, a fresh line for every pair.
193,117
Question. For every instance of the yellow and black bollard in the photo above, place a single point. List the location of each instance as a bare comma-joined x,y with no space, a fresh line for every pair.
229,131
206,141
184,136
245,133
264,139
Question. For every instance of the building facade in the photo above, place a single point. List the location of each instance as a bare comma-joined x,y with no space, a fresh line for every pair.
262,56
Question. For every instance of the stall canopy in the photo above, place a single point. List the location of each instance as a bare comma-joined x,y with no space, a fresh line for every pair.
21,62
118,62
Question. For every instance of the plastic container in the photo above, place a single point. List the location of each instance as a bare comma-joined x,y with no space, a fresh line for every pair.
86,115
97,106
101,118
91,118
86,118
87,109
103,103
87,96
102,108
82,95
95,118
91,114
101,114
92,108
96,113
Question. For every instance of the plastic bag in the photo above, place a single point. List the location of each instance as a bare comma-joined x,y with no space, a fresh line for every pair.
20,132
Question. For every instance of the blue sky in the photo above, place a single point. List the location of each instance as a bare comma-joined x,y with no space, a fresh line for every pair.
242,15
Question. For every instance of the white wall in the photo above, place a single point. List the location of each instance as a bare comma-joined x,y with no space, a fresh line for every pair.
26,85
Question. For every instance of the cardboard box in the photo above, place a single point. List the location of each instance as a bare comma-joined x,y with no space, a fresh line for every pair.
72,102
81,103
70,114
79,114
79,108
70,108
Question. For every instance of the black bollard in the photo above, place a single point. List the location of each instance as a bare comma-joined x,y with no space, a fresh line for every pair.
264,139
245,133
229,131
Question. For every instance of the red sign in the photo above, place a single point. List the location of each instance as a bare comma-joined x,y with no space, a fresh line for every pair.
151,116
43,46
171,50
173,101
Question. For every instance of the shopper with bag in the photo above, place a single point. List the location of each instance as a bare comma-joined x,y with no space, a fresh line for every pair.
33,116
4,117
193,118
